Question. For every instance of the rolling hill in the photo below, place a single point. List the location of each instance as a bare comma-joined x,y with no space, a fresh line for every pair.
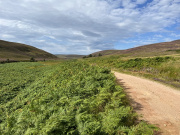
164,48
18,51
69,56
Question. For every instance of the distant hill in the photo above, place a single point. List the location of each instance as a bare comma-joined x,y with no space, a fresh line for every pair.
18,51
164,48
70,56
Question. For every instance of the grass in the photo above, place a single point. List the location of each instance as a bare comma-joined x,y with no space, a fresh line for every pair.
178,50
165,69
69,57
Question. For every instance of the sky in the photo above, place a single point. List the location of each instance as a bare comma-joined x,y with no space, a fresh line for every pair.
87,26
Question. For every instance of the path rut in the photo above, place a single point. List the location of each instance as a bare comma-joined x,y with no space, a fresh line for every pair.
158,104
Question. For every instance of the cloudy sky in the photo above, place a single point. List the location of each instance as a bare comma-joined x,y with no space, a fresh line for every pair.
86,26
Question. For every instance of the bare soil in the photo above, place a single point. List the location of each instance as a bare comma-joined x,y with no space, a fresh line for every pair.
156,103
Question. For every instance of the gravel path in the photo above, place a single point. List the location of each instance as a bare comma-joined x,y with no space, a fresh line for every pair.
157,103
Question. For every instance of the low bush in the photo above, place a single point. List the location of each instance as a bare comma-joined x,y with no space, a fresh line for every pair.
67,98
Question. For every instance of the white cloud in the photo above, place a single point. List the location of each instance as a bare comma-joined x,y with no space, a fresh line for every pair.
82,26
7,36
158,36
175,35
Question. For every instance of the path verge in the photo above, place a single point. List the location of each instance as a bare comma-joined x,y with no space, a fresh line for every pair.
157,103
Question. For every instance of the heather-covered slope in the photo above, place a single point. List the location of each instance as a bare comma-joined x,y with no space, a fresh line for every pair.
17,51
157,49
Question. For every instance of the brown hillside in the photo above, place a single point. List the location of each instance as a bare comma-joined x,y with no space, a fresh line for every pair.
18,51
164,48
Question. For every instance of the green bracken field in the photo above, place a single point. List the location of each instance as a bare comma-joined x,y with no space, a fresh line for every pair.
165,69
64,98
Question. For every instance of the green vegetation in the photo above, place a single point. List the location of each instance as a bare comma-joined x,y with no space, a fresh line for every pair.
70,56
78,97
99,54
32,59
177,51
64,98
90,55
165,69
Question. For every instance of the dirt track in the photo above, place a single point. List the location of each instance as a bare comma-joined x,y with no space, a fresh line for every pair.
158,104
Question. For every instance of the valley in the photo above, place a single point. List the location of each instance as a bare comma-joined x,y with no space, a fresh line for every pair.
75,95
